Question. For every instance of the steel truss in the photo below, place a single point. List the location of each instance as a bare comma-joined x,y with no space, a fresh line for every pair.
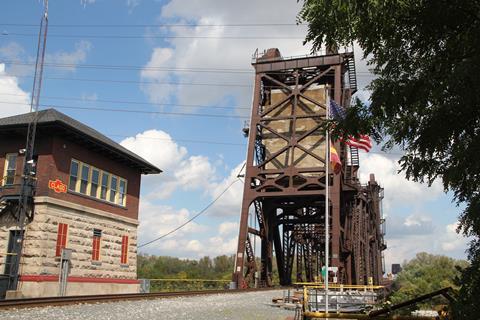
285,179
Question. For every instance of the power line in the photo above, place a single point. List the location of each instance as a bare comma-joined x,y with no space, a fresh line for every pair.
138,82
130,102
153,68
191,219
205,84
156,25
131,67
179,140
95,36
203,115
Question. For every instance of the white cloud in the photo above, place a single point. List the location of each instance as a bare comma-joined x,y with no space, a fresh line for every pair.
131,4
70,60
12,51
416,231
157,220
13,100
453,241
184,172
398,190
15,54
89,97
414,224
228,228
193,172
420,233
230,202
188,241
220,245
157,147
217,52
87,2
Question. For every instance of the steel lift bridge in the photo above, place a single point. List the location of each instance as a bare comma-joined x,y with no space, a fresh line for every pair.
285,179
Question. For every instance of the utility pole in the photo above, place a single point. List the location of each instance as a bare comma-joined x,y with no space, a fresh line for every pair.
25,208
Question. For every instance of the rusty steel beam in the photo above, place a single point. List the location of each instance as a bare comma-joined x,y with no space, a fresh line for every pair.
285,179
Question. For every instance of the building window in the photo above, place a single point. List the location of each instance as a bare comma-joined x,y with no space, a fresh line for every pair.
97,236
94,184
104,188
124,256
10,166
84,178
113,188
97,183
72,184
61,238
122,190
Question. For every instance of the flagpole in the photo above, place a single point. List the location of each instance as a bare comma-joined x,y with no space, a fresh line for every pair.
327,204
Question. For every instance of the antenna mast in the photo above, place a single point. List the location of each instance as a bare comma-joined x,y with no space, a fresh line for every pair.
25,208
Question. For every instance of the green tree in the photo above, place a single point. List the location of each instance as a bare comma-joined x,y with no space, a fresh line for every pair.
426,273
426,57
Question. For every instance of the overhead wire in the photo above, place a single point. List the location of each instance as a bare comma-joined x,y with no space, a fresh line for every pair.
157,25
149,36
201,115
176,114
192,218
131,67
179,140
205,84
130,102
147,68
138,82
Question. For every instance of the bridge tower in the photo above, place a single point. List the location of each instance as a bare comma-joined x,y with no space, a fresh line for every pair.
285,179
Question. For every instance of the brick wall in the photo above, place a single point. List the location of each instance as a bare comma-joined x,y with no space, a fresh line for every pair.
54,157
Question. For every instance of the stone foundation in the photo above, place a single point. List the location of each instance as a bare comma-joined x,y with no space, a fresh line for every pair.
40,248
32,289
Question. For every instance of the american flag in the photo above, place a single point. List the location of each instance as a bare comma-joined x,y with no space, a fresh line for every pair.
363,141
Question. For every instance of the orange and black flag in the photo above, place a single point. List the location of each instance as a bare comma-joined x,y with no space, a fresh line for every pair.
335,160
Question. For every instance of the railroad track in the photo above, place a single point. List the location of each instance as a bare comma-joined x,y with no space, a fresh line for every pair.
59,301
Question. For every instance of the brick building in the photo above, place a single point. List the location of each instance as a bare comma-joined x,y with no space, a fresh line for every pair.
87,199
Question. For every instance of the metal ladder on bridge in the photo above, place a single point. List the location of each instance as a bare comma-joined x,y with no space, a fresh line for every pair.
354,158
353,164
352,74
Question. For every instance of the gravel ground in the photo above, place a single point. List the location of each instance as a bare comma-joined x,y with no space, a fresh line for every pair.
244,306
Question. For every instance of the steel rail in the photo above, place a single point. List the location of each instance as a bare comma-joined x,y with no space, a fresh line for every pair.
104,298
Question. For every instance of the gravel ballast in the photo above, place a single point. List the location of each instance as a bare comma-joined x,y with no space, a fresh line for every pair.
244,306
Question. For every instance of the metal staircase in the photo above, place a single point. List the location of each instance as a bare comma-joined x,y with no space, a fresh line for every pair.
251,266
354,158
352,74
352,166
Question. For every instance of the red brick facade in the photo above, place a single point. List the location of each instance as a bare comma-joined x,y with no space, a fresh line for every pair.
54,157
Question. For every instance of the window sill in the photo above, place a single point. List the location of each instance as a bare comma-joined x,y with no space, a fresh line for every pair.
96,263
10,185
96,199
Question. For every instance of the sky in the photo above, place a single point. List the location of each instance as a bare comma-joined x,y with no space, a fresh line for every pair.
172,81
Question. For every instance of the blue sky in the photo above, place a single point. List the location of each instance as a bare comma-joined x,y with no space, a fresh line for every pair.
126,54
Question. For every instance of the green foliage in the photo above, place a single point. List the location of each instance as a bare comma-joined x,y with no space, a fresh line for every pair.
161,267
426,56
424,274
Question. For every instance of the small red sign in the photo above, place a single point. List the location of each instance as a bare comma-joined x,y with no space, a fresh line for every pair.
57,185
